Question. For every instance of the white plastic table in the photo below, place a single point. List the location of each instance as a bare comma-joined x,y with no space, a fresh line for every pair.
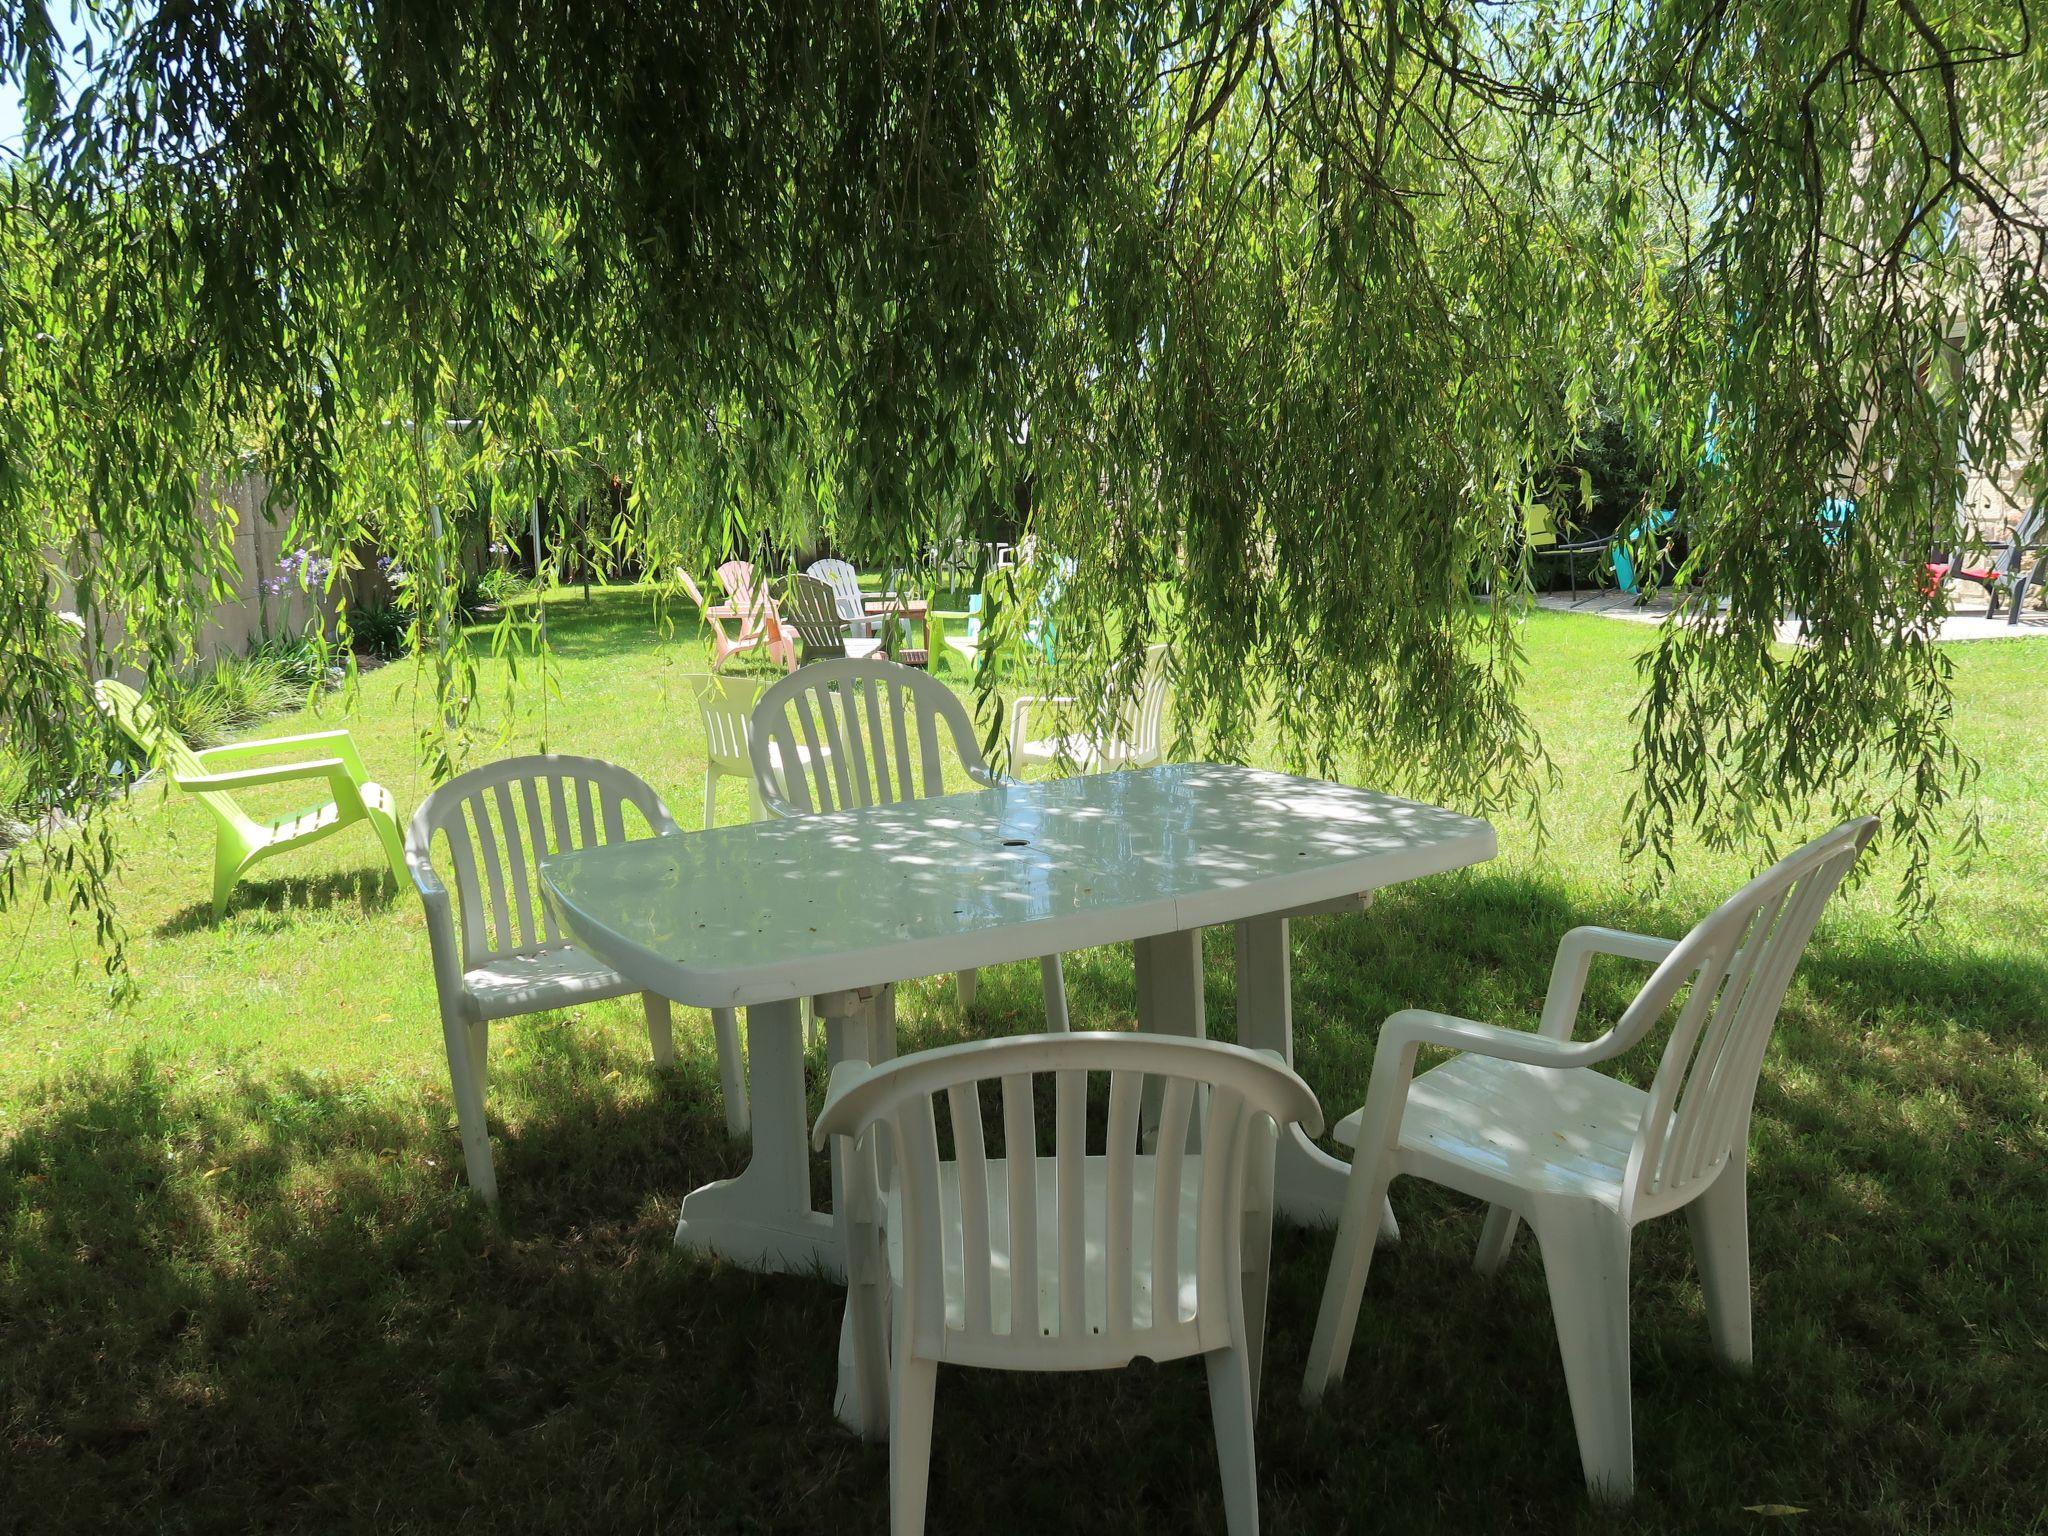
762,915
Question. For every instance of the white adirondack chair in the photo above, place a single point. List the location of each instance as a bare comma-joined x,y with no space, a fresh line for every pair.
1522,1121
509,957
844,581
871,732
1067,1261
1127,731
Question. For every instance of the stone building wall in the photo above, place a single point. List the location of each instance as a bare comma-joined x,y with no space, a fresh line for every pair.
1998,495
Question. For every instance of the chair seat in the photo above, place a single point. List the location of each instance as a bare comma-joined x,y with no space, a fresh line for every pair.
1476,1123
1001,1280
966,645
859,648
303,825
560,976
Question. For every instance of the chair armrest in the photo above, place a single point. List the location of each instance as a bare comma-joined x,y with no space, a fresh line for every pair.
846,1077
332,769
343,746
441,939
1575,952
1419,1026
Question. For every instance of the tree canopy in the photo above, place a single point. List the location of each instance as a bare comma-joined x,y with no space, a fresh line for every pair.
1280,319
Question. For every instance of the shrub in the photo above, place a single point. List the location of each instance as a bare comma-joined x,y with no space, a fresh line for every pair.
379,629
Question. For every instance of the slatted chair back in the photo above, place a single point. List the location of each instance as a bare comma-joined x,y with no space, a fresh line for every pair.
1138,711
811,608
844,581
859,733
500,820
165,748
1020,1249
727,705
1733,969
737,578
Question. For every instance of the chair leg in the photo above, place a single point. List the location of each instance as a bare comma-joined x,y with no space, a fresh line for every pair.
465,1077
1495,1239
660,1036
1230,1409
227,870
1720,1240
1365,1196
732,1071
394,844
710,797
1052,976
963,984
1585,1260
913,1390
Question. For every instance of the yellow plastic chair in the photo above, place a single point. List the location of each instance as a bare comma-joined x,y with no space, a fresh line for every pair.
241,841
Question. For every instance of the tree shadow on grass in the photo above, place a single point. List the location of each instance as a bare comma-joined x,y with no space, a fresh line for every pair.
276,905
239,1301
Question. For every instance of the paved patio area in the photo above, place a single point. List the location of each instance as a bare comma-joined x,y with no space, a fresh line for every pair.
1969,624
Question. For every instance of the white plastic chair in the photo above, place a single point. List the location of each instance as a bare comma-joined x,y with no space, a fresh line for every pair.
1522,1121
871,732
509,957
727,706
844,581
1069,1261
1127,732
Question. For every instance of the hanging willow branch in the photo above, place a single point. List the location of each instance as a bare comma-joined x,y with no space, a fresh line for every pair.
1279,319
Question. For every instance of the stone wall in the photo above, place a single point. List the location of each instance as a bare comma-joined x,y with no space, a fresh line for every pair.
1997,495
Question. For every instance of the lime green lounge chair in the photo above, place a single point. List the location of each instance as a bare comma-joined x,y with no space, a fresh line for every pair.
240,840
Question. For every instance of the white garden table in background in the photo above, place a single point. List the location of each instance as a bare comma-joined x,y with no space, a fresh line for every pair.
763,915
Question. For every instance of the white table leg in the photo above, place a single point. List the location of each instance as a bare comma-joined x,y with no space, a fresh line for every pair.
763,1218
861,1028
1169,974
1308,1183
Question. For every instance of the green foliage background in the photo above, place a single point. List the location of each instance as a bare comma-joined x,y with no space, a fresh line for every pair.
1276,318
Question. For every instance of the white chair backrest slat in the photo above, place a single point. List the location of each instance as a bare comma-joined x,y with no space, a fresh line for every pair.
963,1105
1020,1151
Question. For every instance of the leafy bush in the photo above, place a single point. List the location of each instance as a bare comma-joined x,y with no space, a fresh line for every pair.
497,585
379,629
237,691
302,662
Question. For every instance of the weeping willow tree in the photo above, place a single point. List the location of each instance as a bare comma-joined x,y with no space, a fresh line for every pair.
1277,319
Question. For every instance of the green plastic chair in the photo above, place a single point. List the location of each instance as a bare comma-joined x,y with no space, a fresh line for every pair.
240,840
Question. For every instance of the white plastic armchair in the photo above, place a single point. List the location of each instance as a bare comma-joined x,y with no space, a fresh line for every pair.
1522,1121
1127,730
498,952
1063,1260
871,732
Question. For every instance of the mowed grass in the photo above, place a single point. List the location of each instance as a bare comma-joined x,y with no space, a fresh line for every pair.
242,1285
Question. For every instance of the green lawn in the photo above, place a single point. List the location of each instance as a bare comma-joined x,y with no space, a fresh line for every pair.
241,1285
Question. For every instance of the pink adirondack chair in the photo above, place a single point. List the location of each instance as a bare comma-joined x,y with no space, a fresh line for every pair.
724,644
759,618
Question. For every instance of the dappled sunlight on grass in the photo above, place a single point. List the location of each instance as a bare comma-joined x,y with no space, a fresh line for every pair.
242,1284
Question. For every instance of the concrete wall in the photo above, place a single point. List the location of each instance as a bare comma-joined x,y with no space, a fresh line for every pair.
235,624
